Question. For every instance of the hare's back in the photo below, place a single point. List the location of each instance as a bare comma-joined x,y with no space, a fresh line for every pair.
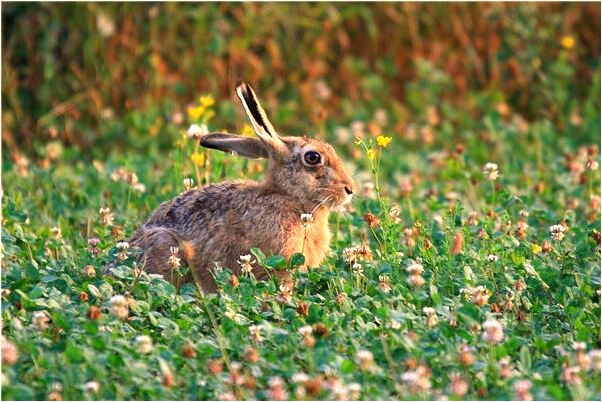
194,205
236,203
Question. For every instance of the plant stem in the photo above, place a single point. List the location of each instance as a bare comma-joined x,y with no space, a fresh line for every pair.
207,167
196,167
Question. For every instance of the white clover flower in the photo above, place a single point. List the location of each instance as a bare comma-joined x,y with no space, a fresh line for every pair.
368,191
92,387
493,331
557,232
491,172
357,128
188,183
276,382
428,310
431,316
105,25
139,187
300,378
417,380
416,280
354,390
122,245
458,385
144,343
492,258
197,131
173,261
40,320
307,218
358,270
226,396
409,376
255,333
89,271
478,295
119,306
56,231
246,264
522,388
357,253
571,375
342,134
106,217
305,330
415,268
384,283
365,360
119,300
394,324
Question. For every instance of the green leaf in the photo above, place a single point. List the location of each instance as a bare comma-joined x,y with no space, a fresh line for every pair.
37,292
20,392
525,358
258,254
73,353
347,366
276,262
93,290
297,260
60,320
435,294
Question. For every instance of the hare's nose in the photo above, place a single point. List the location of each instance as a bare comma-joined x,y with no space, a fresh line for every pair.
348,190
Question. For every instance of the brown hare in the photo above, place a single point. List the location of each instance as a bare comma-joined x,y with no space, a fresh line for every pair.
220,223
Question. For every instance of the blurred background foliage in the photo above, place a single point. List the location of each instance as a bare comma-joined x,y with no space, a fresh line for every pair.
103,77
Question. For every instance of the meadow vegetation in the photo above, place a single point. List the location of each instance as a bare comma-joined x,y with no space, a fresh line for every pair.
468,267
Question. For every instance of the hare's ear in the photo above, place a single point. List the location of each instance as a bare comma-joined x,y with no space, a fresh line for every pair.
259,120
244,146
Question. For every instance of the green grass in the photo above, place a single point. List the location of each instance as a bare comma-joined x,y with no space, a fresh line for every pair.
545,293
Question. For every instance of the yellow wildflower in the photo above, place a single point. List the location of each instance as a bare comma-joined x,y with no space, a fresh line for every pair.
208,115
155,127
195,112
181,143
371,154
383,141
536,248
567,42
197,159
247,130
206,100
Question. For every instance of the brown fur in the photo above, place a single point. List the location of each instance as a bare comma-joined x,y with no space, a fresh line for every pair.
221,222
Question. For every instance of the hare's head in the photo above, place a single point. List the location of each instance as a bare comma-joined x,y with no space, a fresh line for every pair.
307,169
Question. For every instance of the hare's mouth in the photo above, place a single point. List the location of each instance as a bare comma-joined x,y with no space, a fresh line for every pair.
347,199
340,200
333,199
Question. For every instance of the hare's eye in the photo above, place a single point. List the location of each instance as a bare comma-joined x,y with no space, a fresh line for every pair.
312,158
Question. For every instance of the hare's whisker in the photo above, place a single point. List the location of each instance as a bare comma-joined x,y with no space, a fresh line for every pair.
318,206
